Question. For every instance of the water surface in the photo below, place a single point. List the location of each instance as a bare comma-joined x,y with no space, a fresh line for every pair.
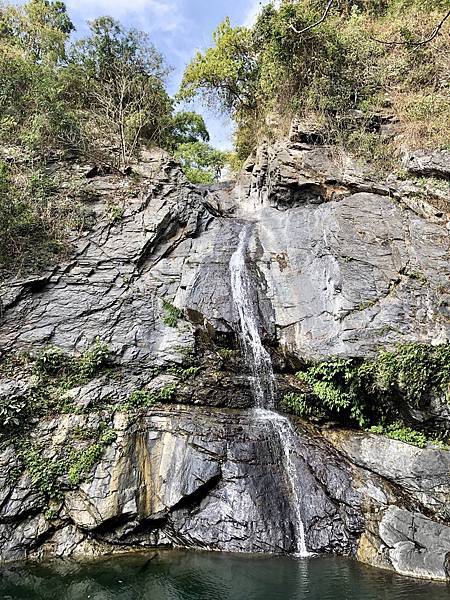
210,576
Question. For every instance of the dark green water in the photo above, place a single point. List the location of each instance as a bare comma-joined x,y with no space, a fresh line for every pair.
203,576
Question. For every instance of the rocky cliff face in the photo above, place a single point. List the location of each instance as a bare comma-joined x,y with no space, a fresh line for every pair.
341,265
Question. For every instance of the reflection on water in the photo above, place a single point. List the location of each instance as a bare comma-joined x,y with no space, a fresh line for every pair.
203,576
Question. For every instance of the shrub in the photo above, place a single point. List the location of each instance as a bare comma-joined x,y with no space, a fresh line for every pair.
367,392
72,370
34,219
398,431
298,404
93,359
53,362
172,314
141,399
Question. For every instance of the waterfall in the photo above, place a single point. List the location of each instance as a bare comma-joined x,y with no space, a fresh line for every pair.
263,379
255,354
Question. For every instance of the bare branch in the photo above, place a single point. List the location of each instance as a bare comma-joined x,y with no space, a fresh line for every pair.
417,42
321,20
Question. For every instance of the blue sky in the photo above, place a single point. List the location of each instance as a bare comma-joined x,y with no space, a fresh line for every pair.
178,28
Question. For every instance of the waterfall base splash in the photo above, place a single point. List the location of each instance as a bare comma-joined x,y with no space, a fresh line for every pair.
285,433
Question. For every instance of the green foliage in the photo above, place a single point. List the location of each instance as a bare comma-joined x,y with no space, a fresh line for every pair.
226,354
40,27
367,392
44,471
337,384
81,462
189,372
139,399
13,412
92,360
335,73
172,314
225,73
201,162
35,110
47,472
33,223
187,128
72,370
115,213
142,399
102,97
122,76
297,404
397,431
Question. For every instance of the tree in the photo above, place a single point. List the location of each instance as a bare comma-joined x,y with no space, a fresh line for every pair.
123,88
34,109
187,127
40,27
321,60
226,73
201,162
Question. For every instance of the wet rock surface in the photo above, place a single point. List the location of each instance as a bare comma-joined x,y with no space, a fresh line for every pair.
342,265
193,477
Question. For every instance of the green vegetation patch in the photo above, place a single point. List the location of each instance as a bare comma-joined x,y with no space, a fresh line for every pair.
141,399
172,314
377,392
48,473
72,370
81,462
336,73
397,431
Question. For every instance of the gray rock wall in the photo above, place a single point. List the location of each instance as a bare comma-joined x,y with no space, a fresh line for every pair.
341,265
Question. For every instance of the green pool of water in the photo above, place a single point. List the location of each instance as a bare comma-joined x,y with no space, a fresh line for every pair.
210,576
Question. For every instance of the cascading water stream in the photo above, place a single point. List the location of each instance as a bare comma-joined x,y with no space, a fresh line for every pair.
255,354
260,364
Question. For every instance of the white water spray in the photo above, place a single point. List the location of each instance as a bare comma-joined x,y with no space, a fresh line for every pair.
256,355
263,378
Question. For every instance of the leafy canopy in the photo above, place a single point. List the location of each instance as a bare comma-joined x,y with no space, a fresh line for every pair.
123,89
40,27
225,74
336,72
201,162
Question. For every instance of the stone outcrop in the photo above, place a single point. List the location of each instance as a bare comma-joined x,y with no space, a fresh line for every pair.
429,163
342,265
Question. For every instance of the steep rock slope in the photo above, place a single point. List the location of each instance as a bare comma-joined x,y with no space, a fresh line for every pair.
341,265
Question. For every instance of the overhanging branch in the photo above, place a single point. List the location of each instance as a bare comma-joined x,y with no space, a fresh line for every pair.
321,20
417,42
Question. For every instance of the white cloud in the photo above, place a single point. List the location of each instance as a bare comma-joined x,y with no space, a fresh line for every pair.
165,15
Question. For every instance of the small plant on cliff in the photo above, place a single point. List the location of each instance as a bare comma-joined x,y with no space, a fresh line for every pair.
13,412
81,462
140,399
298,404
44,471
93,359
48,471
172,314
398,431
72,370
